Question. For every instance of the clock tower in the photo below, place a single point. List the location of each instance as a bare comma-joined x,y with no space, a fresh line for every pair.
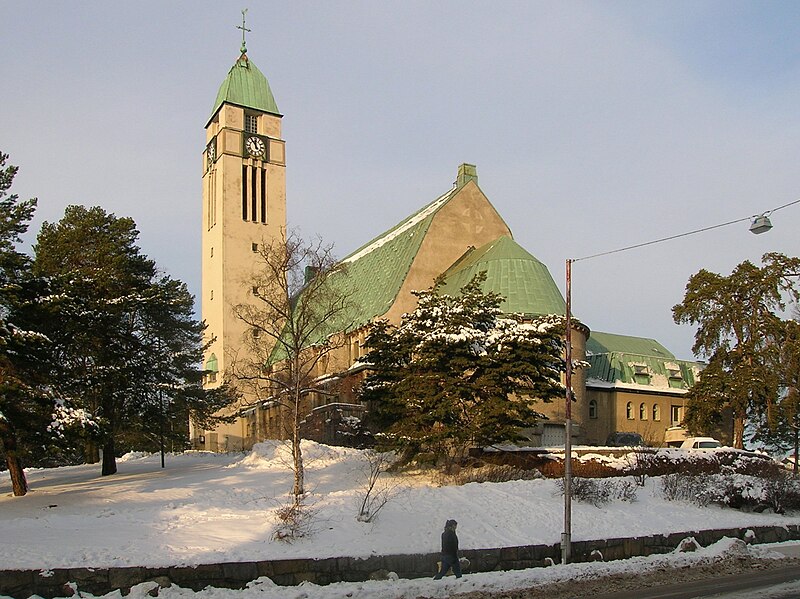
244,204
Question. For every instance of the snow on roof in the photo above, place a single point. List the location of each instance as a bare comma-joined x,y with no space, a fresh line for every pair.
401,228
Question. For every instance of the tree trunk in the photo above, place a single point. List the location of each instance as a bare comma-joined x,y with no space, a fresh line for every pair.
297,456
19,484
738,431
91,453
109,459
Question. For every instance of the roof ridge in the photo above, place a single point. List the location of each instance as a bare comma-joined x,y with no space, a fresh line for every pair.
404,225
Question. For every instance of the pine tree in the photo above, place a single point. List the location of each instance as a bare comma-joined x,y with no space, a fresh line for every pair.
457,372
33,416
128,343
737,320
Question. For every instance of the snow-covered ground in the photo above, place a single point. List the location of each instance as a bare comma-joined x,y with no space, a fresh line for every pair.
212,508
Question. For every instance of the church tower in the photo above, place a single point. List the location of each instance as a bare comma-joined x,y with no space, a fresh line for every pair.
244,203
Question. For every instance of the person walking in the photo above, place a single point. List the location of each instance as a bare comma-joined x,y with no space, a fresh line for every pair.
449,551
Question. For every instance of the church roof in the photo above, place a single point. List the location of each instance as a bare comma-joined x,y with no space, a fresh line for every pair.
247,87
599,343
636,363
512,272
375,272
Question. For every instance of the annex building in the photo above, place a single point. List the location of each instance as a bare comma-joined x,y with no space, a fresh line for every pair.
633,384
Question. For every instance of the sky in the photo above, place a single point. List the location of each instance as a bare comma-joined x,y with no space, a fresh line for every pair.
216,508
593,125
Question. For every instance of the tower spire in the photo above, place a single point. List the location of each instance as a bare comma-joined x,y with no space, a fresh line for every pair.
244,29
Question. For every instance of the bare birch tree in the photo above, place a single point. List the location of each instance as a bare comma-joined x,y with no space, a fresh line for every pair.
295,319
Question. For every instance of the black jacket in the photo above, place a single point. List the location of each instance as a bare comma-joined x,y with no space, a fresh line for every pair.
449,542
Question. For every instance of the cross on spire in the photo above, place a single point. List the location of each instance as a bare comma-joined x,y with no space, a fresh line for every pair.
244,29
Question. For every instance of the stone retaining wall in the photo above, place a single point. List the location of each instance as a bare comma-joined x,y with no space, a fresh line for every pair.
21,584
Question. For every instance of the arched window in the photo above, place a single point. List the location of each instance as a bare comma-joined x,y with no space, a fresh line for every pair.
629,411
593,408
642,412
656,412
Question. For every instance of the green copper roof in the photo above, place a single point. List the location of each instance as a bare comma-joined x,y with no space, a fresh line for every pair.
636,361
513,273
374,273
246,86
371,277
599,343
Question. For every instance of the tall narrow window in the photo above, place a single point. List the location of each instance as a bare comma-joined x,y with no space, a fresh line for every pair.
656,412
253,198
629,411
592,408
244,192
642,412
263,195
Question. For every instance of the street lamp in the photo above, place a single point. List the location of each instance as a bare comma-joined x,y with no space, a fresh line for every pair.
759,224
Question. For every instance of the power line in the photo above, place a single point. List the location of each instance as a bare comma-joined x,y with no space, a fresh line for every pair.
646,243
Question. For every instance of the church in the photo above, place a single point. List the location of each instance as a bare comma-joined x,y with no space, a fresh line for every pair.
632,384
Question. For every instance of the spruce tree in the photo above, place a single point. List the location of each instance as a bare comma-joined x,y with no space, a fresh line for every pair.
457,372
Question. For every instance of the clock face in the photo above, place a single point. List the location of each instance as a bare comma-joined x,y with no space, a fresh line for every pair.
255,146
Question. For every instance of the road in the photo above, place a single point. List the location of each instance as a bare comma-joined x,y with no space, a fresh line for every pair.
742,577
781,583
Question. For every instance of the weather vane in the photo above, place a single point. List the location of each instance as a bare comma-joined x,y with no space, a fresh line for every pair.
244,29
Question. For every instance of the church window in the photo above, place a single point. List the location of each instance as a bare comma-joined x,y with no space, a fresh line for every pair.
253,198
263,195
251,123
593,408
244,192
629,411
254,247
642,412
656,412
256,332
255,290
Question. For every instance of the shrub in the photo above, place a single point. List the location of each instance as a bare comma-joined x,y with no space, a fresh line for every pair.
488,473
781,491
686,487
295,520
600,491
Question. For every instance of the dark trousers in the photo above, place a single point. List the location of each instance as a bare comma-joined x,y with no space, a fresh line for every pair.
449,561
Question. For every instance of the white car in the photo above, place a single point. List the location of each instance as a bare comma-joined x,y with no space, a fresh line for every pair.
700,443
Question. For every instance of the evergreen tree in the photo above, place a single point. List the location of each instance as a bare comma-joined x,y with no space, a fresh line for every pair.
456,372
780,430
33,416
737,320
126,338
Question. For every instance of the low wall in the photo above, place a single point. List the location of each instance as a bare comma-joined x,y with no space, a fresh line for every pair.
21,584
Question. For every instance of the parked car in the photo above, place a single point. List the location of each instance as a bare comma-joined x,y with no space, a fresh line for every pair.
700,443
625,440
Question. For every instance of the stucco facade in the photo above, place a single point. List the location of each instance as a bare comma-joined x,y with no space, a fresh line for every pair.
244,205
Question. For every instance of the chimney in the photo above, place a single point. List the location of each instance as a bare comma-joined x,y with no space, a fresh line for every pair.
466,173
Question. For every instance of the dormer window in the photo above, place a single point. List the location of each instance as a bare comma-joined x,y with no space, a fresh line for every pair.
641,373
251,123
674,375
